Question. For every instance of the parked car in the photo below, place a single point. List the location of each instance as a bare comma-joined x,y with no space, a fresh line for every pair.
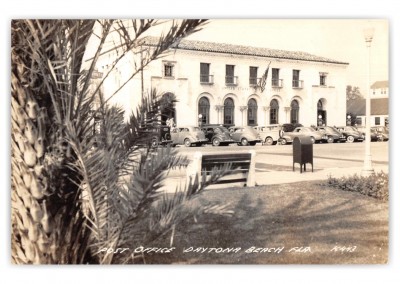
217,135
289,127
244,135
331,134
382,132
158,135
375,135
188,136
315,136
269,134
352,133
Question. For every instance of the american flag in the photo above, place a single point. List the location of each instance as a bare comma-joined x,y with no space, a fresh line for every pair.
263,80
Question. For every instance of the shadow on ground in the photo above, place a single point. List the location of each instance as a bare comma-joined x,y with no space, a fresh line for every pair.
331,226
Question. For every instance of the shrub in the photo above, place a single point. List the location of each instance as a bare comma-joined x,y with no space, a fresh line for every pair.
376,185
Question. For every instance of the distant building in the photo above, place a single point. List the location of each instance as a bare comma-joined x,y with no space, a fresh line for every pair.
217,83
379,89
379,105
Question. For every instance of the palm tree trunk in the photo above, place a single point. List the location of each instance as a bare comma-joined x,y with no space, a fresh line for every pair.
33,239
47,223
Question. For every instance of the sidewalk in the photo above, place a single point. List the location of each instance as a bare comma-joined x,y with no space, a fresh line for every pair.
278,170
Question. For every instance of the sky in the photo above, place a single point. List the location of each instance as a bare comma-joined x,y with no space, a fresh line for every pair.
339,39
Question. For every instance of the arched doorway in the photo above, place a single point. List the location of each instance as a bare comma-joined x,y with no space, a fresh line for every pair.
294,111
167,107
229,111
252,112
321,113
273,112
204,111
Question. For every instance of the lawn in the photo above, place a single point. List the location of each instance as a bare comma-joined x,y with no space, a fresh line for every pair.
295,223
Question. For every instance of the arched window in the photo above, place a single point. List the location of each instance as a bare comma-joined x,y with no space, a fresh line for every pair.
204,110
273,112
320,105
252,112
294,111
321,113
167,108
229,111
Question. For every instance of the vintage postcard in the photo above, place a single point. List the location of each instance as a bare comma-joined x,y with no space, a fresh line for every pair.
221,141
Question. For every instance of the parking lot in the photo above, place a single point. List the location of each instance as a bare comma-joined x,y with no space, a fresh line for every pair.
274,163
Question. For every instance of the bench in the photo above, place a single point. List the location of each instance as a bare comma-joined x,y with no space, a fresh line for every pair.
241,172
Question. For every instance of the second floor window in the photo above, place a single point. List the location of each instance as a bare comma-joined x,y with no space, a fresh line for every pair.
253,75
296,79
205,73
275,78
168,70
322,79
230,74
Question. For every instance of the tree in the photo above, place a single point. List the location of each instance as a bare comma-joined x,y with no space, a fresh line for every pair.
79,181
353,93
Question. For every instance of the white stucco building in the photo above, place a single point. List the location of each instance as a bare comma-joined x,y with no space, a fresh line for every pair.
223,83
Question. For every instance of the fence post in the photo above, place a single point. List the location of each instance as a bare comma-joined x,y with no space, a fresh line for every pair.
251,178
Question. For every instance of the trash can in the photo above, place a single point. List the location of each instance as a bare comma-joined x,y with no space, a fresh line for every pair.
303,152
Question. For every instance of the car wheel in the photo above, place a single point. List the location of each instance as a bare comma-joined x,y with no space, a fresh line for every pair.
187,142
269,141
283,141
312,140
350,139
330,139
244,142
216,142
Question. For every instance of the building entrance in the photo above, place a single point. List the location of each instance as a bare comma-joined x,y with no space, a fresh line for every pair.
167,108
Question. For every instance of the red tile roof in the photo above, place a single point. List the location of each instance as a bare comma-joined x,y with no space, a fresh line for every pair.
380,85
244,50
378,106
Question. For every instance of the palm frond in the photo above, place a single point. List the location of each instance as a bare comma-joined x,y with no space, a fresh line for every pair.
102,189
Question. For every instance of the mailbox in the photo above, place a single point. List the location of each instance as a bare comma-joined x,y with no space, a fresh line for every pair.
303,152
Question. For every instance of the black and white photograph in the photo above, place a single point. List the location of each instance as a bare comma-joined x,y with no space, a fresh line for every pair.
143,141
200,141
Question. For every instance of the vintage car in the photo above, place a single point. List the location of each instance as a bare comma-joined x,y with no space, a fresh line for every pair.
352,133
269,134
375,135
289,127
244,135
156,135
382,132
188,136
331,134
316,136
217,135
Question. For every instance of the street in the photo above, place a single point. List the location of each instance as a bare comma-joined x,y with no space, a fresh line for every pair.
274,163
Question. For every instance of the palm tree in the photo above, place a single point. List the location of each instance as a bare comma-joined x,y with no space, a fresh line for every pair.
80,183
